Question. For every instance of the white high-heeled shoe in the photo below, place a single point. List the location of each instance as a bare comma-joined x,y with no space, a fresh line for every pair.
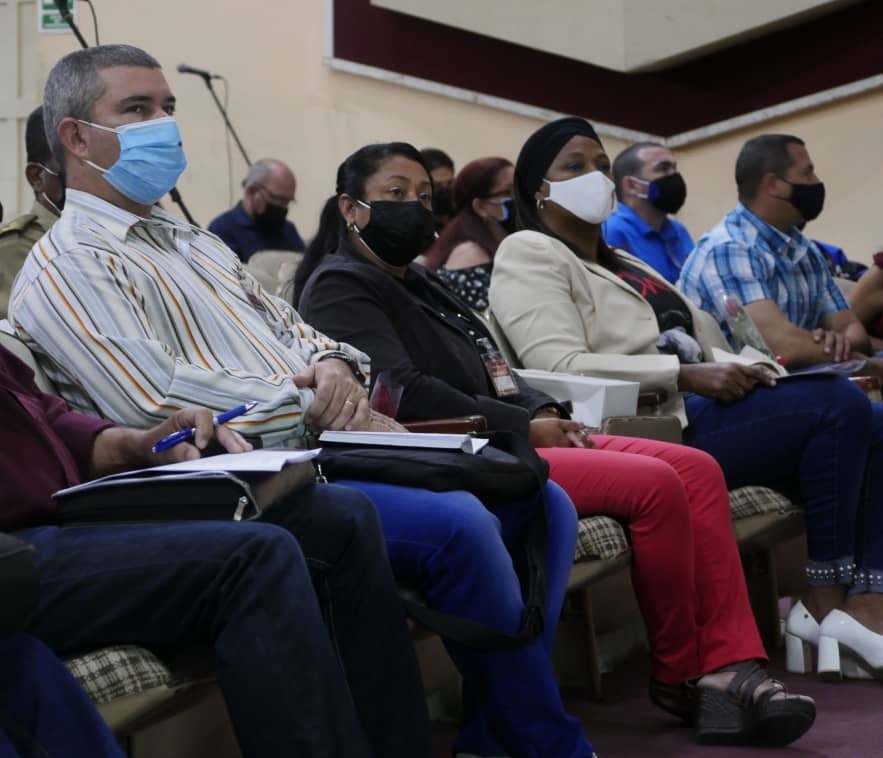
841,633
801,636
801,641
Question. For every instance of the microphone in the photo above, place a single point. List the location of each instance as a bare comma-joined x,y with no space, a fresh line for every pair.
183,68
63,8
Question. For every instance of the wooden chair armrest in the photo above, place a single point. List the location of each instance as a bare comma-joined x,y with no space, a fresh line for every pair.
651,398
662,428
455,425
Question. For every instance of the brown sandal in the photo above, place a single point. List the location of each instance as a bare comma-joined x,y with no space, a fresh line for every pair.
734,717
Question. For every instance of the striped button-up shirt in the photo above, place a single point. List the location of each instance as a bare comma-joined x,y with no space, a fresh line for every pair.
752,259
136,318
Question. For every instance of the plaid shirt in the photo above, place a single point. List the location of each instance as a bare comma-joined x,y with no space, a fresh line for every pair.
755,261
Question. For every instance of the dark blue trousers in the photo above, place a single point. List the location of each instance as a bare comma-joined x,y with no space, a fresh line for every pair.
43,711
464,557
250,591
817,438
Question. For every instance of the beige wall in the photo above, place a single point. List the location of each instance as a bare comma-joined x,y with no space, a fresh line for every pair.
843,141
286,103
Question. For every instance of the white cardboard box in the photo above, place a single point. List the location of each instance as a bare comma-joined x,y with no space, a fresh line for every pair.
593,399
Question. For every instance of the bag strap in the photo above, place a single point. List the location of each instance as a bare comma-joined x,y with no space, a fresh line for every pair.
473,633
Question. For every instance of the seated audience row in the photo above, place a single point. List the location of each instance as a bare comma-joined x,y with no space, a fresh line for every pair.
446,362
182,324
567,302
188,326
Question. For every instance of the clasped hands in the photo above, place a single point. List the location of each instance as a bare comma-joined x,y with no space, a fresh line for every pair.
549,431
340,401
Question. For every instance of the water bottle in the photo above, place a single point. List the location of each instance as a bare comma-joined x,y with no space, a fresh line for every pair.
742,329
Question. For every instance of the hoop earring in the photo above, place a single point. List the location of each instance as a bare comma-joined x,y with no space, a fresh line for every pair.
350,226
541,203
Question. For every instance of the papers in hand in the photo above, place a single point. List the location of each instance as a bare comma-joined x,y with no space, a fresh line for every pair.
749,356
254,460
463,442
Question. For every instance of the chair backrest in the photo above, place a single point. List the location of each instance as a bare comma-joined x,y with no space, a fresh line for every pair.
274,268
21,351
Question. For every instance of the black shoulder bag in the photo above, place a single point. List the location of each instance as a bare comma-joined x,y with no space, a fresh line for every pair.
506,469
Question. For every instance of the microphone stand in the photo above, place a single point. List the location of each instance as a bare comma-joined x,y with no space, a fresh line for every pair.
208,83
179,201
68,18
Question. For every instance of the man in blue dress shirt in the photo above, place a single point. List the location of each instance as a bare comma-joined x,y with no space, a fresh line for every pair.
260,220
649,188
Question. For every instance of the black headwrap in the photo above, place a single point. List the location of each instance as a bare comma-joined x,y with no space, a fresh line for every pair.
541,148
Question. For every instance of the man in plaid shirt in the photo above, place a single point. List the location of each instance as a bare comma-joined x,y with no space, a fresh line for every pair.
758,253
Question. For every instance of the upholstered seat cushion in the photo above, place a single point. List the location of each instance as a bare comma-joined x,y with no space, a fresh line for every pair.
758,501
603,538
112,672
599,538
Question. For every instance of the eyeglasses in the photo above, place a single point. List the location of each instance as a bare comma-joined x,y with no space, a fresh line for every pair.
277,199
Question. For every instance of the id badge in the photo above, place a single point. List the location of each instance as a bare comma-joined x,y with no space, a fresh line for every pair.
497,369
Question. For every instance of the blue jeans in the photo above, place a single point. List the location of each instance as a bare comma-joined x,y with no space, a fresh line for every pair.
820,439
464,558
43,711
250,591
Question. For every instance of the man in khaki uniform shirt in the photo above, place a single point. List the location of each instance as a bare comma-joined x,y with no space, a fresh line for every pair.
19,235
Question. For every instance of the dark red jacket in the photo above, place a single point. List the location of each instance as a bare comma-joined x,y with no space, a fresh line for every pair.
44,447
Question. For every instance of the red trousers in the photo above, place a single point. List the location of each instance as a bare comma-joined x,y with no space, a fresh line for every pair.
685,569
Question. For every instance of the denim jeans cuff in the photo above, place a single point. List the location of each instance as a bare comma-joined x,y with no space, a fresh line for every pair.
867,580
829,573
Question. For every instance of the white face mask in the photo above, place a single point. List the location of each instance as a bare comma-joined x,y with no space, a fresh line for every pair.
590,197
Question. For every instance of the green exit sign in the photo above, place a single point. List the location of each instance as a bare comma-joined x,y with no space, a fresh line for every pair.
50,19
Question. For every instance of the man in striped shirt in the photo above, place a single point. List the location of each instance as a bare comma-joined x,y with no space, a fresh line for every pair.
135,315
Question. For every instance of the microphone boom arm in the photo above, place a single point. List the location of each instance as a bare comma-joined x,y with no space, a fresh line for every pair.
208,83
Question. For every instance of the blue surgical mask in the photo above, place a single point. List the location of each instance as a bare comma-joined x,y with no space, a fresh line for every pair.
151,159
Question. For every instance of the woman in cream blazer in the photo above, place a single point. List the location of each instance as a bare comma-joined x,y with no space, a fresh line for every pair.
564,313
567,302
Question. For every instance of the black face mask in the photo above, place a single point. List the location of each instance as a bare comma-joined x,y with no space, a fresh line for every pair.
807,199
668,193
272,219
398,231
442,201
508,223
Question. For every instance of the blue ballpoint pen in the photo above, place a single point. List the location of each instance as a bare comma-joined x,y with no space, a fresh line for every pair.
184,435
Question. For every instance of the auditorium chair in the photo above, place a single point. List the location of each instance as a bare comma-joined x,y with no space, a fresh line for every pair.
274,269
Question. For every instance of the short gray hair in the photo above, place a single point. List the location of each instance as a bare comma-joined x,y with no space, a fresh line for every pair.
74,86
261,169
